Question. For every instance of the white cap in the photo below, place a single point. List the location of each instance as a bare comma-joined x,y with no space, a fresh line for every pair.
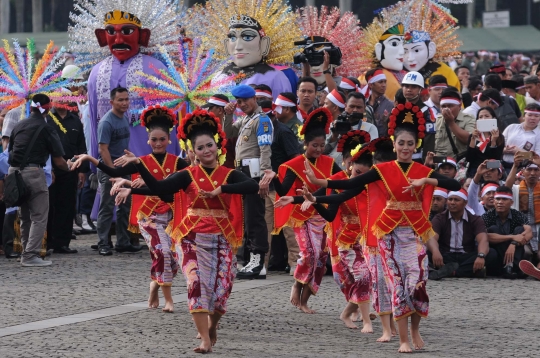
413,78
72,72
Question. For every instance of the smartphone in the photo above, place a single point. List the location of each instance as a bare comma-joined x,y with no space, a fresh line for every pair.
493,164
486,125
342,127
439,159
526,155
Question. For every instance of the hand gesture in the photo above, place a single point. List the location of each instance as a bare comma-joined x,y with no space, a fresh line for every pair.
283,201
122,195
309,172
414,183
437,259
521,239
511,149
479,264
210,194
137,183
475,134
306,205
118,184
509,254
80,159
264,189
126,159
482,168
306,194
326,61
518,159
269,174
494,135
229,108
448,116
429,159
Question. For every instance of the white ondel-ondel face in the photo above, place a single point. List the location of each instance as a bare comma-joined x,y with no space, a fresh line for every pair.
417,55
246,46
390,53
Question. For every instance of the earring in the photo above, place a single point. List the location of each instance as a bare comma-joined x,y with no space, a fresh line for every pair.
148,142
415,150
394,149
342,164
170,142
305,147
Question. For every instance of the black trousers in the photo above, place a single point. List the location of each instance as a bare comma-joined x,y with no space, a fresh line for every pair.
256,232
279,252
466,261
62,203
501,248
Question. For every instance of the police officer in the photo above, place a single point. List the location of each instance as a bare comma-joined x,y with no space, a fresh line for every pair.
254,132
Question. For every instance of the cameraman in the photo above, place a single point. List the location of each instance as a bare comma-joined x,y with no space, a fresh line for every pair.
324,73
350,119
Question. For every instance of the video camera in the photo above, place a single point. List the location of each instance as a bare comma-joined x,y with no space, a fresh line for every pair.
313,52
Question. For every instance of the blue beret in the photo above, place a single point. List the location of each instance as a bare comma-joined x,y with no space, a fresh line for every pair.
243,91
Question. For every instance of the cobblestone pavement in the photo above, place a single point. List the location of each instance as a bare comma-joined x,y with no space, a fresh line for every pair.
488,318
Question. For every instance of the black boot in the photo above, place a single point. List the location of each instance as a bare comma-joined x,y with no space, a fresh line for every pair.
254,269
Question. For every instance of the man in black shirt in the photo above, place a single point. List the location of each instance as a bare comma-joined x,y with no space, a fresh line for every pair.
63,191
35,209
284,148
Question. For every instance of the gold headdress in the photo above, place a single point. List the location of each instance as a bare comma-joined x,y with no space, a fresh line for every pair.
274,17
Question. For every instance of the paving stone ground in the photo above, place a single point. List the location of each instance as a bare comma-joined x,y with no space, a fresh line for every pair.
468,318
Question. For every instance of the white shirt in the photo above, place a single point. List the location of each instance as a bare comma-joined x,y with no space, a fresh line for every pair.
432,105
516,135
368,127
472,109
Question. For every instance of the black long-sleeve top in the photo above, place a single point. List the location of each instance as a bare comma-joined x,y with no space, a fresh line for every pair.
131,168
282,188
475,157
357,184
328,213
237,183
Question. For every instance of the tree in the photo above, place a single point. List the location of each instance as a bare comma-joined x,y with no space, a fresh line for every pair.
4,16
37,15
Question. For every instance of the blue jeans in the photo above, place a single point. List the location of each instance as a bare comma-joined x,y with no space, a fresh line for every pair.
105,215
86,197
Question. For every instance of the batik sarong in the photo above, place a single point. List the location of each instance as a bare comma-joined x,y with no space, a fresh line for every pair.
381,298
209,265
162,248
406,264
311,240
352,275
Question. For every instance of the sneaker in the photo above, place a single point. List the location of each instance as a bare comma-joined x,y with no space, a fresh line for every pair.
445,271
244,268
86,224
528,268
35,262
105,251
254,269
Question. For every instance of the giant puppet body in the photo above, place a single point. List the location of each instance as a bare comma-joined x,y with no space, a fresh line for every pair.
123,30
259,34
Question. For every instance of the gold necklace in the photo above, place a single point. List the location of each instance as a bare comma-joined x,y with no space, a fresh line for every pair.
57,121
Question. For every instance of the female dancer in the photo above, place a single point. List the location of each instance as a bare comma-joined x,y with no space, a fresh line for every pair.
212,229
153,216
400,218
308,226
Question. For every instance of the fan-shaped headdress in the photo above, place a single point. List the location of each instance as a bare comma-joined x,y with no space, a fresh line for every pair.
351,140
274,17
158,116
319,119
21,77
201,121
159,16
188,82
409,116
343,30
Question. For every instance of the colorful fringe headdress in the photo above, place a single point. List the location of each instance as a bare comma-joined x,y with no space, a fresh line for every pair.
160,16
21,77
317,119
343,30
186,84
202,121
352,139
275,17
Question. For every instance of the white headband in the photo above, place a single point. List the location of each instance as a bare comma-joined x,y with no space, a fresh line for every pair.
504,196
335,101
263,93
458,193
450,100
217,101
441,193
488,188
532,111
282,102
38,106
377,78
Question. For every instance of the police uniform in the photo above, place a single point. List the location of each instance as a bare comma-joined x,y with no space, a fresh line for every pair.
253,152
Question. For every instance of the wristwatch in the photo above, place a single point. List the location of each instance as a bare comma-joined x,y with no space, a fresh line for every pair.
482,255
327,72
514,243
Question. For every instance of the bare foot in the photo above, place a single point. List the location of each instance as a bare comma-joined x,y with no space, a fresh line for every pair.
202,349
169,307
153,299
372,316
417,340
355,316
405,348
198,336
368,328
296,290
386,336
212,331
306,309
348,320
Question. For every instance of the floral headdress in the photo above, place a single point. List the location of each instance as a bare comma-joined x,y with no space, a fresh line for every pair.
202,121
319,118
158,115
352,139
407,115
